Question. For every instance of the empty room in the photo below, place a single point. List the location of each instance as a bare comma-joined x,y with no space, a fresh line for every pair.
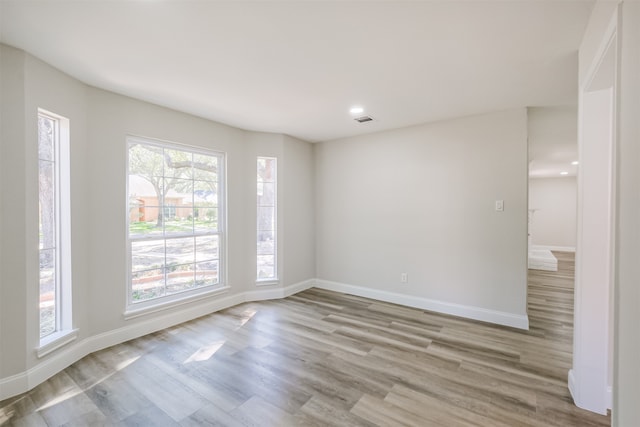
319,213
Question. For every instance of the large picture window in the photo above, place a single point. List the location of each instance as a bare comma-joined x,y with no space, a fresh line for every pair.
53,226
266,220
176,221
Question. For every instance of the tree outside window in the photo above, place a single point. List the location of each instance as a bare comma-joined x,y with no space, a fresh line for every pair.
175,232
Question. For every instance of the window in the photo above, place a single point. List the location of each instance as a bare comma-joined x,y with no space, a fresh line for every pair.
176,221
54,226
266,219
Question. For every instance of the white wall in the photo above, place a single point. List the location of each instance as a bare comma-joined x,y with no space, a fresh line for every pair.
100,122
421,200
554,221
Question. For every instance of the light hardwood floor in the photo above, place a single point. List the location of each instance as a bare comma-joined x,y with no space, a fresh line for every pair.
322,358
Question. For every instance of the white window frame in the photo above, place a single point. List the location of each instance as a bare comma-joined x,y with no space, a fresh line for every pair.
274,279
135,309
63,332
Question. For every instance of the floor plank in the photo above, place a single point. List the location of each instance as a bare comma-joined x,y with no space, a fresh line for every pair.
321,358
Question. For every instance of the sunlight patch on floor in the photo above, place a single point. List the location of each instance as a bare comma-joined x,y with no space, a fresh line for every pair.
61,398
205,353
6,415
72,393
246,316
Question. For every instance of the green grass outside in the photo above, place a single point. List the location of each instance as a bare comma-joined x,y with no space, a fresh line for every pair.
151,226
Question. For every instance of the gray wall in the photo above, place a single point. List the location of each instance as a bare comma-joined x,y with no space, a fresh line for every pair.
421,200
100,122
12,242
297,216
626,410
357,211
29,84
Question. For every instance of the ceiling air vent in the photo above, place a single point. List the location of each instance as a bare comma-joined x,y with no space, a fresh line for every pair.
363,119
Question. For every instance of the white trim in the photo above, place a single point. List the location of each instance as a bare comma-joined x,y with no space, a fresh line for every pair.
61,163
268,282
13,385
299,287
274,279
603,47
571,384
25,381
555,248
520,321
170,303
56,341
589,378
276,293
220,232
164,321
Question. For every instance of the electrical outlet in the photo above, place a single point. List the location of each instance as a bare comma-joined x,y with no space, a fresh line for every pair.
404,278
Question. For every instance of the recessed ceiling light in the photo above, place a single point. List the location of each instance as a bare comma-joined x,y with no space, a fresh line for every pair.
575,162
564,173
356,110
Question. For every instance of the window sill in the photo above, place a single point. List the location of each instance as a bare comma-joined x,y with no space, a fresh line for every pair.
132,312
56,340
267,282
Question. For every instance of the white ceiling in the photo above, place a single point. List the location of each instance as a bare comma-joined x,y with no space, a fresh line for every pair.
297,67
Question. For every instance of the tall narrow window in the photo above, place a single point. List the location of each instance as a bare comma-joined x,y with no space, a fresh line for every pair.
176,221
266,220
54,222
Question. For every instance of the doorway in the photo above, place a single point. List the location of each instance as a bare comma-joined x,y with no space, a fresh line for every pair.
590,379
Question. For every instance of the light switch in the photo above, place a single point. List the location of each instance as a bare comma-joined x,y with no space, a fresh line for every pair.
499,205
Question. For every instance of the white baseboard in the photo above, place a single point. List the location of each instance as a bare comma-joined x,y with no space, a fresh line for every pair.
571,383
25,381
598,409
555,248
277,292
13,385
520,321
